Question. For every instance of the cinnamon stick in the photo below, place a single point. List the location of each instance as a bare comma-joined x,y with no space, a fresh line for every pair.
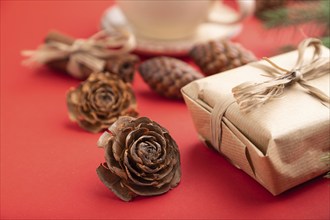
122,65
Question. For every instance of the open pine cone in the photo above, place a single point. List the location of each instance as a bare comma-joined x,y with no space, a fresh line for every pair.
98,102
141,158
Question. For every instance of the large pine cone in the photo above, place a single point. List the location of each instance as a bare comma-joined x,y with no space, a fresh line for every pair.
218,56
167,75
141,158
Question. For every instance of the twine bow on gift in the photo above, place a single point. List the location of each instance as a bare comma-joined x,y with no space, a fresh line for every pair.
251,95
90,52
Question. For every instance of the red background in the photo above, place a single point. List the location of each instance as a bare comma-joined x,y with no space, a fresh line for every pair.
48,163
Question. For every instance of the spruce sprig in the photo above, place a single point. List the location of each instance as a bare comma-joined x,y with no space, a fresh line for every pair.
326,159
316,12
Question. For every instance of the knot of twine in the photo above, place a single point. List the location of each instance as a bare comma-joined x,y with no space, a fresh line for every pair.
251,95
90,52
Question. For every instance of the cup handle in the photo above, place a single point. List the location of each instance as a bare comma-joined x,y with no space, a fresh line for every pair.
246,8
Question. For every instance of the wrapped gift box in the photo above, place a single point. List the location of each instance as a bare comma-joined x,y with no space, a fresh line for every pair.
280,144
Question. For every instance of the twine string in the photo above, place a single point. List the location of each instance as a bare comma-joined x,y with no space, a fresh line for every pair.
90,52
250,95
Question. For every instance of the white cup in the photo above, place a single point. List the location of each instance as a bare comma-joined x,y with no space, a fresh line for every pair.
175,19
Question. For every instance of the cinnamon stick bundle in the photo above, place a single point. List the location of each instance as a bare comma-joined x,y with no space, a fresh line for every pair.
122,65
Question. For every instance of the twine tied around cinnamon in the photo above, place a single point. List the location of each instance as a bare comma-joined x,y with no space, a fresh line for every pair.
90,52
251,95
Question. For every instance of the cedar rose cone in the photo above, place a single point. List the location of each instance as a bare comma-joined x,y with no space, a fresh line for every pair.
98,102
141,158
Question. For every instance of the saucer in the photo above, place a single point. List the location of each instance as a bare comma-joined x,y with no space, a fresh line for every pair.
113,17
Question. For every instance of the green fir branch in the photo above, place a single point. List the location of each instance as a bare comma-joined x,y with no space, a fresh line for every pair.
316,12
299,13
326,159
326,41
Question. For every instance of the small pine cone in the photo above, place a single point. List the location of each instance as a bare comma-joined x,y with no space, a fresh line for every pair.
218,56
168,75
123,66
100,100
266,5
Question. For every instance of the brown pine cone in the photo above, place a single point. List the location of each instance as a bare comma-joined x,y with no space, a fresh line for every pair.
266,5
123,66
99,101
167,75
141,158
218,56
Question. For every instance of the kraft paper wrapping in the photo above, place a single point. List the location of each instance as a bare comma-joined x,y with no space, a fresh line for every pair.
278,144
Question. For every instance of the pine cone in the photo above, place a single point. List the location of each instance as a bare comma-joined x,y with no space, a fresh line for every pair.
142,159
168,75
123,65
265,5
218,56
99,101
